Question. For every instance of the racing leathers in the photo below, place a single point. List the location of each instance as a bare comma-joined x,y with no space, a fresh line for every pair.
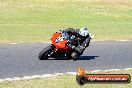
80,42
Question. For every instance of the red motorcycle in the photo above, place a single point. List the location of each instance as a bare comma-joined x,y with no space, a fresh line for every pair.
59,47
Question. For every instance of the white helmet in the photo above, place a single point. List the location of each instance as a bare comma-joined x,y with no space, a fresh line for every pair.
83,31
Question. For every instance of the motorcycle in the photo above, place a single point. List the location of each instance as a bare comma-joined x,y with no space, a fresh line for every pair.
60,47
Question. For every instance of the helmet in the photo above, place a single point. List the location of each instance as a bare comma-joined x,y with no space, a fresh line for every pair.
83,31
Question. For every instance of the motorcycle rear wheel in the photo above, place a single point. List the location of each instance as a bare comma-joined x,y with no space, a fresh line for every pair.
74,56
43,55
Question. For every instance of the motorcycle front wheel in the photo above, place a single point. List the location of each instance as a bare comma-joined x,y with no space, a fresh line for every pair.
45,53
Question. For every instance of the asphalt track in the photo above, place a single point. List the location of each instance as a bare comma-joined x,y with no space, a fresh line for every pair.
18,60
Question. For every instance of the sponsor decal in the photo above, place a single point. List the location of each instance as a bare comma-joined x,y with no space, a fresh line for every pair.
82,78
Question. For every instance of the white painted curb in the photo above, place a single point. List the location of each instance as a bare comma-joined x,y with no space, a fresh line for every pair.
54,75
14,43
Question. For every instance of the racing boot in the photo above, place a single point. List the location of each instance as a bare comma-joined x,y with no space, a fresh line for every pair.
79,49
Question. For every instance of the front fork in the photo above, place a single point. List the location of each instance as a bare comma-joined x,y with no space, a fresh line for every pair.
53,50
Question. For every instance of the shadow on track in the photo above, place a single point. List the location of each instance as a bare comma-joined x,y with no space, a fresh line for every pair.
87,57
80,58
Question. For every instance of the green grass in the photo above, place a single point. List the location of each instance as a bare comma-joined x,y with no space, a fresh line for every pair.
36,20
65,81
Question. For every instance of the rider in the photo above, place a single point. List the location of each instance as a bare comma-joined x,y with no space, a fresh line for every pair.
82,35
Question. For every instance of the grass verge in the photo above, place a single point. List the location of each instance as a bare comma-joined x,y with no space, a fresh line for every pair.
65,81
36,20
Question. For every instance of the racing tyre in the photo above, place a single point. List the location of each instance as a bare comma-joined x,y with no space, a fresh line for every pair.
44,54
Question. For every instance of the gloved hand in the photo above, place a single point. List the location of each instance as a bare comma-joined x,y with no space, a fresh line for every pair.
71,46
91,36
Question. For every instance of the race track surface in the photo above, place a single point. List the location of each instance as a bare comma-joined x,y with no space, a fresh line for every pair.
18,60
